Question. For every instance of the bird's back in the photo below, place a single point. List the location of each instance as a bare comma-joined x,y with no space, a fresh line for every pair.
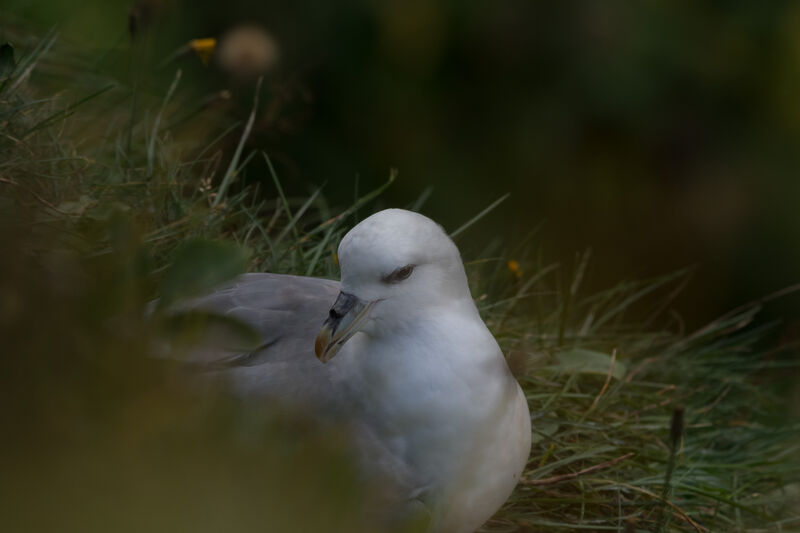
285,312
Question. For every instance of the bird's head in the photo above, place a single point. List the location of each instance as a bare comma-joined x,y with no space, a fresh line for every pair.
393,264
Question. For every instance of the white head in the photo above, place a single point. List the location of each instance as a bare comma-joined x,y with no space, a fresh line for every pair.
394,264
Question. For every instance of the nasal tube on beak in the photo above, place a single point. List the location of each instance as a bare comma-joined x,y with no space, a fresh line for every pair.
344,319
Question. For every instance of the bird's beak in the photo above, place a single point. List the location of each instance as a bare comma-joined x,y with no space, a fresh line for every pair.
345,318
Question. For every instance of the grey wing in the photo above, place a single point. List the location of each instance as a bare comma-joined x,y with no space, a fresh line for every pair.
286,312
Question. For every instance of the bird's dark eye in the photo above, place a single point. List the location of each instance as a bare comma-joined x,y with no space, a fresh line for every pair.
399,275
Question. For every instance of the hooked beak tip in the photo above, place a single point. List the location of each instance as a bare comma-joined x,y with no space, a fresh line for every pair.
322,343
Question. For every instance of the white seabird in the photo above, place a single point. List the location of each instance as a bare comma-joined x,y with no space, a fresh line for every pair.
403,358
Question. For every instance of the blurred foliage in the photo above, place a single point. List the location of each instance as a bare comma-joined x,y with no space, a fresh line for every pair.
200,266
99,433
99,436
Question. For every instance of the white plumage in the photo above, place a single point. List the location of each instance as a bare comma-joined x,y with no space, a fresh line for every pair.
437,415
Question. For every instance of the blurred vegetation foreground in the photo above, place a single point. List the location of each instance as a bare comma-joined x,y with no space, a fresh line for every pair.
111,197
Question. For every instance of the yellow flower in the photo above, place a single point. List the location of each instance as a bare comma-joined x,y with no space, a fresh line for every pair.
513,267
204,48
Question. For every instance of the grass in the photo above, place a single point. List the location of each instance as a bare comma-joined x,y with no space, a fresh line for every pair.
638,425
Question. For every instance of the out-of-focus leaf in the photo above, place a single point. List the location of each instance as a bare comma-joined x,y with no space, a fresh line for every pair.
212,330
584,361
106,211
76,207
199,266
6,59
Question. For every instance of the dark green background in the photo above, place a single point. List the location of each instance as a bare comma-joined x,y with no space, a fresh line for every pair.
661,134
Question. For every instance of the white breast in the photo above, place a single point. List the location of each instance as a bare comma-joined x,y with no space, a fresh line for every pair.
497,462
448,405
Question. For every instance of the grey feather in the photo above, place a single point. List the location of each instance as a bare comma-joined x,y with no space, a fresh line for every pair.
287,312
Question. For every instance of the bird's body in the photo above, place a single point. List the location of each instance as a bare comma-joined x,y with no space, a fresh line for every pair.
434,410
